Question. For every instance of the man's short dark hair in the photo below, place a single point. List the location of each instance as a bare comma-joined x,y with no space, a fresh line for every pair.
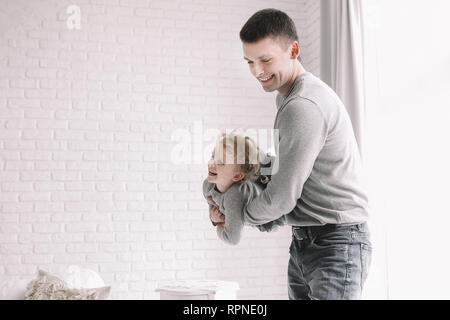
268,23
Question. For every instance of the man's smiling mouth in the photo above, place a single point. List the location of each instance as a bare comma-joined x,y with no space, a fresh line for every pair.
266,79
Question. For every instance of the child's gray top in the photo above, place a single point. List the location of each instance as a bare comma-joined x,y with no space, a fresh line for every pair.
231,203
318,178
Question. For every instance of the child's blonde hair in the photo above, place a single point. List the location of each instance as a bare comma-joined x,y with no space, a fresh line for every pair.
244,150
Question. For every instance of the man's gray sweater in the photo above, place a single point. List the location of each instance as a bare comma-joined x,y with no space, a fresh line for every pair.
319,166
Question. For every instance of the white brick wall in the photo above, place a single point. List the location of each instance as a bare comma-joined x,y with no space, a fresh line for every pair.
85,123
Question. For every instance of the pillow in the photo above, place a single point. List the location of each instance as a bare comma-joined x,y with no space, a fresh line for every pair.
77,277
50,287
13,288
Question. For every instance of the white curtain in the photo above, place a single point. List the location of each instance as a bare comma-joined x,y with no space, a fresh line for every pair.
342,57
343,69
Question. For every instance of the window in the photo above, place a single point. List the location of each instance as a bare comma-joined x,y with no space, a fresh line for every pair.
407,144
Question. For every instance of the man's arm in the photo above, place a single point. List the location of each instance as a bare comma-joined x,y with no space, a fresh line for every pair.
303,132
272,225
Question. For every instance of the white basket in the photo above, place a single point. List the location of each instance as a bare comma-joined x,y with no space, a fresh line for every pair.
198,290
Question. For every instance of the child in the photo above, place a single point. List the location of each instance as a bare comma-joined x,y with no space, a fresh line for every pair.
232,171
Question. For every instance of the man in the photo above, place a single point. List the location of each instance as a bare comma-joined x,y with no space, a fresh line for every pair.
317,184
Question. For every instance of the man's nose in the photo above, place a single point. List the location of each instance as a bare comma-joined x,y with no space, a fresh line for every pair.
258,70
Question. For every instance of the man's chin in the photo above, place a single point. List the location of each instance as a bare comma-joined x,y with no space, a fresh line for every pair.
268,89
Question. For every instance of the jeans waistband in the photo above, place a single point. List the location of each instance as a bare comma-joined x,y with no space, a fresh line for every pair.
311,232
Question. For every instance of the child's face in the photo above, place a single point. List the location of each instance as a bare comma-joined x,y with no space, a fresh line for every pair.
222,173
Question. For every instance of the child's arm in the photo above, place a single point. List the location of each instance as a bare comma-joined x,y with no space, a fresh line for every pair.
206,187
217,218
234,220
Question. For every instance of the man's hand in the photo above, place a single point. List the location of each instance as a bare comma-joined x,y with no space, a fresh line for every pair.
211,201
216,215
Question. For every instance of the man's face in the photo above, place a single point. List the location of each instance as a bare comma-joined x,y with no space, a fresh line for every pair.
270,62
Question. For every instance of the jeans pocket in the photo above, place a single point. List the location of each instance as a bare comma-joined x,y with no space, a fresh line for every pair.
293,248
360,232
338,239
366,259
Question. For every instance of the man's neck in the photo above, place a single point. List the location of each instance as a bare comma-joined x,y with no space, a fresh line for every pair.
298,71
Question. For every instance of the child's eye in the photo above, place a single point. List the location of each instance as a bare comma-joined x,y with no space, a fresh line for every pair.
267,60
250,62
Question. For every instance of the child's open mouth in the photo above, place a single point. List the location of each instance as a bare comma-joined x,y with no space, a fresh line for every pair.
211,174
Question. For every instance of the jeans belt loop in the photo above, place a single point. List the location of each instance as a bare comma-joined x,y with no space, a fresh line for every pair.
299,233
309,233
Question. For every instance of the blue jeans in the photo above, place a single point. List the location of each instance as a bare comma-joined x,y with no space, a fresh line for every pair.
328,265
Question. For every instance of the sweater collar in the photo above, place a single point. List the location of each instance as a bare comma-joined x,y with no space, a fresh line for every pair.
281,98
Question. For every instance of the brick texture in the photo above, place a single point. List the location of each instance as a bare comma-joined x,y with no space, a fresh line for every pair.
86,117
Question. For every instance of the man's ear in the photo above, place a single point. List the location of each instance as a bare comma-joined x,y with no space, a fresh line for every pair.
295,50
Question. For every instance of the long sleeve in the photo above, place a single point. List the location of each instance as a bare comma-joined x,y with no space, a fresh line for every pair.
233,206
206,186
302,132
272,225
